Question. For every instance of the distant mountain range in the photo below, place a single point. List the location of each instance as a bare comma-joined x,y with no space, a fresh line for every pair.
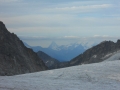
105,51
63,52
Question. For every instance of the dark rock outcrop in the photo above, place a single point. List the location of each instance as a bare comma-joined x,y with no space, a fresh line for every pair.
50,62
97,53
15,58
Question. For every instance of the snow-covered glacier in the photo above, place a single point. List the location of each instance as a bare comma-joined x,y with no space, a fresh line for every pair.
97,76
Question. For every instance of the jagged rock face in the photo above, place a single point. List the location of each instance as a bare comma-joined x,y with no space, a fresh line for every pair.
15,58
97,53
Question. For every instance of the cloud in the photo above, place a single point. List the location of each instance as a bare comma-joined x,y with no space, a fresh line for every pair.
56,25
73,9
23,37
85,8
72,18
102,36
105,36
96,36
71,37
59,20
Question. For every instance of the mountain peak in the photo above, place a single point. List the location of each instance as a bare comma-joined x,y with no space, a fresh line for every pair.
2,28
118,41
53,46
1,22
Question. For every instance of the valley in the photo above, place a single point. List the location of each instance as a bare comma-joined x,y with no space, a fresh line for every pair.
59,44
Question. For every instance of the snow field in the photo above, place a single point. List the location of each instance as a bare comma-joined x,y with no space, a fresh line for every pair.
97,76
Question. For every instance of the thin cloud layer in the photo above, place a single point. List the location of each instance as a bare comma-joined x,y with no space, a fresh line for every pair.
60,18
86,8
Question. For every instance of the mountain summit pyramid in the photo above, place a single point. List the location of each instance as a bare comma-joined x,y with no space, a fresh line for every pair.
53,46
15,58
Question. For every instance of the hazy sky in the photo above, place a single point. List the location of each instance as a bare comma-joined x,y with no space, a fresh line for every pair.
61,18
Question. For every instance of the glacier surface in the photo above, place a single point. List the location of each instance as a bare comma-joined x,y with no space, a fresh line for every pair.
97,76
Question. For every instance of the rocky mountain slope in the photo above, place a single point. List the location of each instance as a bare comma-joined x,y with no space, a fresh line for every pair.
15,58
50,62
98,53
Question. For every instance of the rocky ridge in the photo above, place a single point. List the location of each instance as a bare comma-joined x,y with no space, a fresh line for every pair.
98,53
15,58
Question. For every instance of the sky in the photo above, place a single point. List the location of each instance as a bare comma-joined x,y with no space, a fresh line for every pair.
38,22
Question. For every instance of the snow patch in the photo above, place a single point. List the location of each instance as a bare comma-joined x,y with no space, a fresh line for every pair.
94,56
108,55
112,56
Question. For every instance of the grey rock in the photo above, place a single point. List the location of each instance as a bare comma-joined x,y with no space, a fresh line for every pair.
15,58
50,62
97,53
